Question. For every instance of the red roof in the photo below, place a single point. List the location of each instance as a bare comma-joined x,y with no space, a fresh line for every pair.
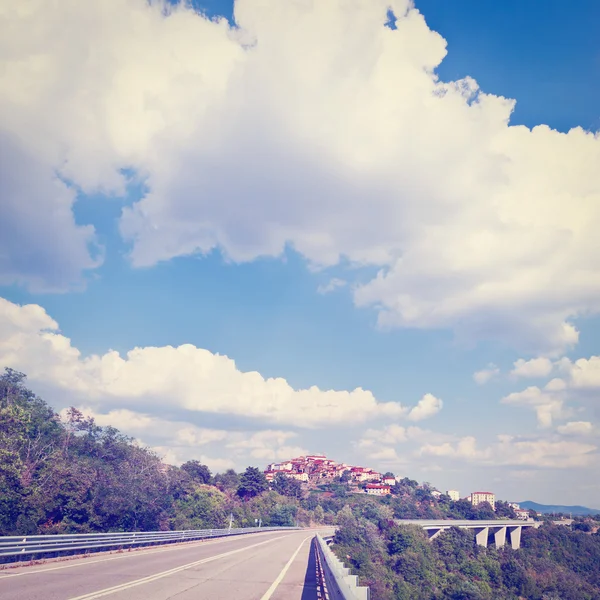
490,493
377,486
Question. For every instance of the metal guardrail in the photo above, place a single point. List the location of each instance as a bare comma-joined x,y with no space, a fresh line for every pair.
21,545
341,585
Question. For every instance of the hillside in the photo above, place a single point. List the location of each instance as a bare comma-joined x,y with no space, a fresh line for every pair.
399,562
69,475
557,508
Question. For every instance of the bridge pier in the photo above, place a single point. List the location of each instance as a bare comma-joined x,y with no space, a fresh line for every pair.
481,536
433,533
499,536
515,537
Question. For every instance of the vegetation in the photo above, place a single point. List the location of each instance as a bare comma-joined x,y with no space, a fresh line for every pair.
70,475
399,562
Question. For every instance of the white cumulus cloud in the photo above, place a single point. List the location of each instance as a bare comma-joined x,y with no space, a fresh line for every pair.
185,377
178,441
486,374
331,286
576,428
583,374
298,128
547,406
534,368
514,451
427,407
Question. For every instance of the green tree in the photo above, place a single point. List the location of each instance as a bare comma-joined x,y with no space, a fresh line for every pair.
283,515
197,471
252,483
504,510
287,486
228,481
319,514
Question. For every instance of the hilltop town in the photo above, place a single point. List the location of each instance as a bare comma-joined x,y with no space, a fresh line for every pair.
316,469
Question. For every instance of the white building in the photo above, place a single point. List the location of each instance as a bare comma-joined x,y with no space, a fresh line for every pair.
454,495
377,489
481,497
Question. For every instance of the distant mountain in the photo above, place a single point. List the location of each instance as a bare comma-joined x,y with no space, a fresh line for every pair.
555,508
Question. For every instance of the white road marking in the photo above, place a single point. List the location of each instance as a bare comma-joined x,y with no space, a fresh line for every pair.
281,575
143,552
125,586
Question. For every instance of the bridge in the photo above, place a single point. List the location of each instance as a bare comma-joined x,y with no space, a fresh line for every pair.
275,564
486,532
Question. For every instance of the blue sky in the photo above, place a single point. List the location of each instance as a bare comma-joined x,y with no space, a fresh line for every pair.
265,308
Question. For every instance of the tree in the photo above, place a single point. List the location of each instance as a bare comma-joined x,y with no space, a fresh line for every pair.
283,515
504,509
582,526
319,514
252,483
228,481
287,486
197,471
484,512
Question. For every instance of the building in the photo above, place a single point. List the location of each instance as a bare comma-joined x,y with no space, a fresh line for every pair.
522,514
377,489
454,495
478,498
436,494
389,480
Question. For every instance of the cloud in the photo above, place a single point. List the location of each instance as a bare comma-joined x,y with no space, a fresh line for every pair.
576,428
427,407
174,456
40,243
555,385
561,397
268,445
385,455
547,406
179,441
583,374
514,451
390,434
485,375
186,377
295,129
381,444
534,368
333,284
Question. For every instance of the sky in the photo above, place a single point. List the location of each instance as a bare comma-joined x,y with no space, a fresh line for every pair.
364,228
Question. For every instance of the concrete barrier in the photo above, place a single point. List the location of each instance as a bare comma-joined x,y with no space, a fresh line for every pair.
340,584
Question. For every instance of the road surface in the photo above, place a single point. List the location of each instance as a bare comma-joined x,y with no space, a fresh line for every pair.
263,566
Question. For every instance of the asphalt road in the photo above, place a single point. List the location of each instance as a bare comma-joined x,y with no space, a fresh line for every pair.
277,566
